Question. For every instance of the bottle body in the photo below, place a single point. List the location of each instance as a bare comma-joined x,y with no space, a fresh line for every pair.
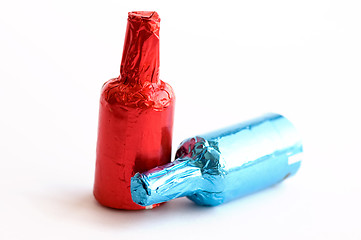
131,138
135,116
228,163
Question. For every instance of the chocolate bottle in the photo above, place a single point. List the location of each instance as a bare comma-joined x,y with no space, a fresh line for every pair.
135,117
223,165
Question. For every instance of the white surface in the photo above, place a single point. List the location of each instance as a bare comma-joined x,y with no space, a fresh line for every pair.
226,61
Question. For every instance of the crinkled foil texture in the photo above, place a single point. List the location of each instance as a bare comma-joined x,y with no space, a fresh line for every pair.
140,60
150,95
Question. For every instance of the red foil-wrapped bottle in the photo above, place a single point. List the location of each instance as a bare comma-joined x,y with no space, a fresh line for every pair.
135,117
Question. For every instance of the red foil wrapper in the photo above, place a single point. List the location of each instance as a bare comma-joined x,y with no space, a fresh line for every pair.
135,117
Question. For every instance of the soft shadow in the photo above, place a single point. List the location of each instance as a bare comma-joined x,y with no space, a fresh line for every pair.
81,206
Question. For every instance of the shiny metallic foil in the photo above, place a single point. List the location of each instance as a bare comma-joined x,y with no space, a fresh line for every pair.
215,168
135,117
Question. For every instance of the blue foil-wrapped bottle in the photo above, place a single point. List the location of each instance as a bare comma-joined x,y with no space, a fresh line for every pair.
215,168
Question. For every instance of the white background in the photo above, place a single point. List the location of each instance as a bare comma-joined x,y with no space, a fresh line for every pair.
226,61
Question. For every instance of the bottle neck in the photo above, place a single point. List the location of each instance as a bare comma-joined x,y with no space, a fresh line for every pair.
177,179
140,61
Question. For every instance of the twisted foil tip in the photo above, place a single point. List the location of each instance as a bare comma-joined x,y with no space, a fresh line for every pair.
144,16
139,190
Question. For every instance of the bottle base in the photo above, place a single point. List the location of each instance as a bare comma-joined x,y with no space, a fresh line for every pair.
131,206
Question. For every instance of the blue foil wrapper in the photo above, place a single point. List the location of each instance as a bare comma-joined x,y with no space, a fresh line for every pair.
220,166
